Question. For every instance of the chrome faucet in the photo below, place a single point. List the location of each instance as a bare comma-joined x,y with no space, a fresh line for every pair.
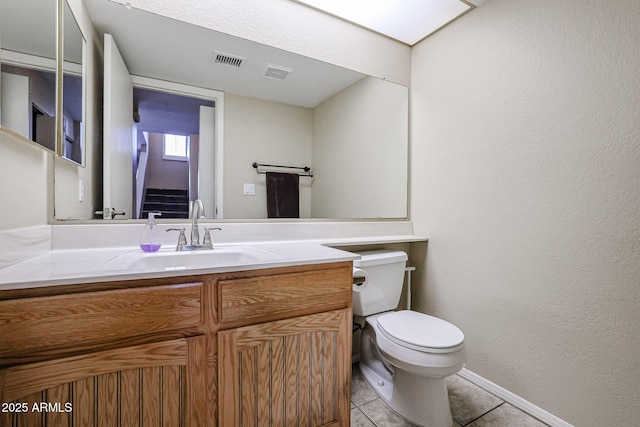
196,211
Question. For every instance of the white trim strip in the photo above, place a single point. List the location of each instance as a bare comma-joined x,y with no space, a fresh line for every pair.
513,399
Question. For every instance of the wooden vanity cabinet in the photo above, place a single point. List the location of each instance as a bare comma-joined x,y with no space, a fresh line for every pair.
127,353
288,360
247,348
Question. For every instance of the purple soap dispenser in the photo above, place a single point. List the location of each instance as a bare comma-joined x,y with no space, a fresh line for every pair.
150,240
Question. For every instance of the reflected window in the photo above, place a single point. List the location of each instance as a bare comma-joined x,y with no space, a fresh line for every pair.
175,147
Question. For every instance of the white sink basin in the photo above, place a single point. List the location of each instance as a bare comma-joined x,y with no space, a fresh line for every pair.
170,259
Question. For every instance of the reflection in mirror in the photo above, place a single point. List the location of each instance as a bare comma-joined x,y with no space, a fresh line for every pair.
167,138
28,58
279,108
72,146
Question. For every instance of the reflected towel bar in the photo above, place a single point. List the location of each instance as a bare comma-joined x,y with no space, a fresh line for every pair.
307,169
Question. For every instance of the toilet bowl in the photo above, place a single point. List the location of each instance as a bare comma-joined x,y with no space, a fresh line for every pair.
409,378
405,355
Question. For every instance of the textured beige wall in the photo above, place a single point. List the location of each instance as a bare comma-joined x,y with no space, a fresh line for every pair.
163,173
25,171
526,178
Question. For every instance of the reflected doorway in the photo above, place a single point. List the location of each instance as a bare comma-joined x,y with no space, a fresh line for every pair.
27,100
166,141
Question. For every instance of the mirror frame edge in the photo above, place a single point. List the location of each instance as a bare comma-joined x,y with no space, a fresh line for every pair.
59,76
60,68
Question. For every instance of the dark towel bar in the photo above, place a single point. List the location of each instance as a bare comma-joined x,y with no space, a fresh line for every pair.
307,169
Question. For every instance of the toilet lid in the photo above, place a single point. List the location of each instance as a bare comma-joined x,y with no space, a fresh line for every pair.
420,331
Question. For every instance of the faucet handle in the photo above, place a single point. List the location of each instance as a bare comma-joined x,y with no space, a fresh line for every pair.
207,235
182,239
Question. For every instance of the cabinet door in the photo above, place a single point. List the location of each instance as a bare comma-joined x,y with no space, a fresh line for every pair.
287,372
159,384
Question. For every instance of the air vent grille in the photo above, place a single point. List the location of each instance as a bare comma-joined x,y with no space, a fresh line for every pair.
228,59
277,72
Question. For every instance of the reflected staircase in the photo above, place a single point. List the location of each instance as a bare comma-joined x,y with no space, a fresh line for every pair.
169,202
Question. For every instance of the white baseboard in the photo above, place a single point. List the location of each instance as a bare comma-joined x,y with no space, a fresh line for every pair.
513,399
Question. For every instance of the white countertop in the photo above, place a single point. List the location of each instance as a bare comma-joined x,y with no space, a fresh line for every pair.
73,266
86,253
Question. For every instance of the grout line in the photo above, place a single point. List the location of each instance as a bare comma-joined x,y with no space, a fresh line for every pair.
365,415
477,418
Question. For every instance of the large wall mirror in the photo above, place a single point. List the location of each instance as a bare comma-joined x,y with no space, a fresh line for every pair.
187,88
28,64
71,145
29,88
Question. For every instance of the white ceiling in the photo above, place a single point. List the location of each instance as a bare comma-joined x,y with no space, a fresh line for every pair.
163,48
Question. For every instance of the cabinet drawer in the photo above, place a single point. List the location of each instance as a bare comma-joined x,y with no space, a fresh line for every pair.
262,298
29,326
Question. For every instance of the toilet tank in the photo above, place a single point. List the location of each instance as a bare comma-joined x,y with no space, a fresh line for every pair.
384,275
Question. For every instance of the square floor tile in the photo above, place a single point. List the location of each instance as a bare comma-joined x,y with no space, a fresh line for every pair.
468,401
383,416
361,393
358,419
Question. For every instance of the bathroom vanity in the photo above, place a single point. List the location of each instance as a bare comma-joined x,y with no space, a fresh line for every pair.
222,349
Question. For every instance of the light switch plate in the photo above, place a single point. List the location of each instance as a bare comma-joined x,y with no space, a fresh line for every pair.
249,190
80,190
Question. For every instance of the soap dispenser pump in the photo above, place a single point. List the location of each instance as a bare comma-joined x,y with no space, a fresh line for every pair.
150,240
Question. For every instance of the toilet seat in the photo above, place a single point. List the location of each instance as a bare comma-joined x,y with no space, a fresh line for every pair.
420,332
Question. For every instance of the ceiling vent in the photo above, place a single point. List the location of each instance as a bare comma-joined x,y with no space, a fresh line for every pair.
227,59
277,72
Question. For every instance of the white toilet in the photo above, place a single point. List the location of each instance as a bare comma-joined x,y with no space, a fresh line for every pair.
404,355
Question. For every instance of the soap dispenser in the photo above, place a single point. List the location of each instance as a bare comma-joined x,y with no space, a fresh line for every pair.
150,240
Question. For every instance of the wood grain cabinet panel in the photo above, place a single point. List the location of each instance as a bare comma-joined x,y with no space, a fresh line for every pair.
251,300
33,325
293,372
247,348
158,384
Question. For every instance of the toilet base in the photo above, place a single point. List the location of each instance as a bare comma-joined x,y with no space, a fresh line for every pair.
421,400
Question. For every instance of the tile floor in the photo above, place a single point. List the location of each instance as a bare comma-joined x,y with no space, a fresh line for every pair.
471,406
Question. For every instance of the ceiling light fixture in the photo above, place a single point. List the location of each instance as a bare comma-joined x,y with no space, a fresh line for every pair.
408,21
